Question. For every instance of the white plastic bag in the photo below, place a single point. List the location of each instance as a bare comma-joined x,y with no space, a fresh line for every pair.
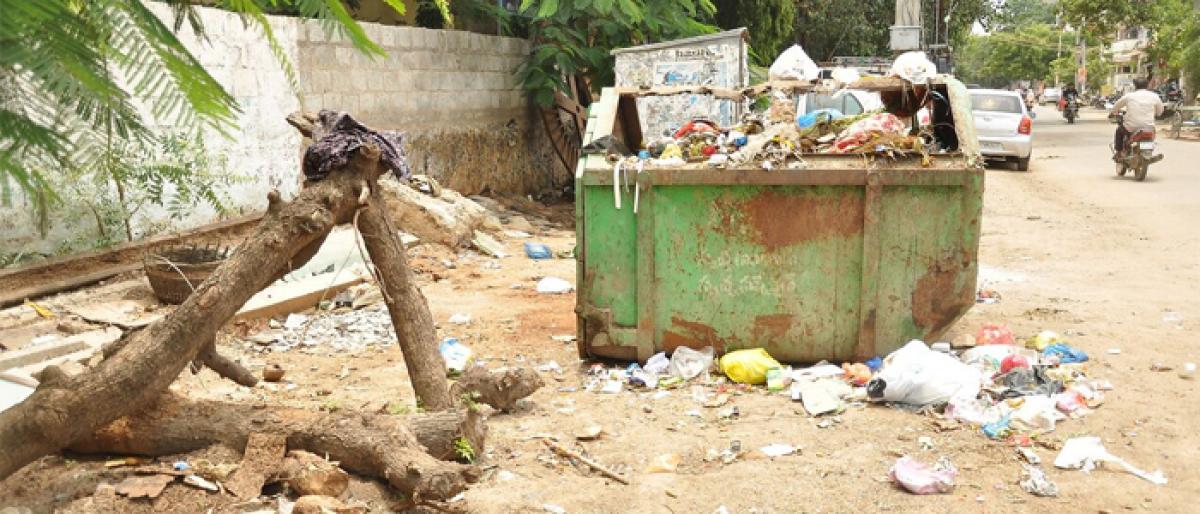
844,75
794,64
1084,452
1037,413
657,364
914,67
688,363
917,375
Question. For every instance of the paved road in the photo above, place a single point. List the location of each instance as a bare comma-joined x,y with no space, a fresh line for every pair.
1113,264
1166,203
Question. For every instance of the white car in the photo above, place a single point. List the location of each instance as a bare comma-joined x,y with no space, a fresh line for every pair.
1003,126
1051,95
850,102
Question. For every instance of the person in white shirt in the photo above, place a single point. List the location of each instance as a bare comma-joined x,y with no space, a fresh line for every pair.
1141,108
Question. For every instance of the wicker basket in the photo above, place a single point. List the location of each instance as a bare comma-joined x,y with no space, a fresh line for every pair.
174,272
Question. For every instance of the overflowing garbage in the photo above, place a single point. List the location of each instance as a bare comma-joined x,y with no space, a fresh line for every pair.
778,135
1014,391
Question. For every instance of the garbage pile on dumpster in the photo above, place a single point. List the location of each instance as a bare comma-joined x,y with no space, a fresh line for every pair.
1012,391
780,137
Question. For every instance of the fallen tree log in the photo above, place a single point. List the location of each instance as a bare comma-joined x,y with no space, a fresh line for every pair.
65,409
373,445
407,306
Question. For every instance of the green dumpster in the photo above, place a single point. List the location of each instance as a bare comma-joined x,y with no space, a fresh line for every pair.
851,257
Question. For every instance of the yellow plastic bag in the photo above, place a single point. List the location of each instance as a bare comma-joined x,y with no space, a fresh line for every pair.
1043,339
748,366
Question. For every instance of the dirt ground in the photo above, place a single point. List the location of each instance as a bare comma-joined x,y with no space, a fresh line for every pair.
1111,264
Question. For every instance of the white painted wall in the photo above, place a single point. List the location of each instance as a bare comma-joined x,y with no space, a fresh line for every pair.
432,84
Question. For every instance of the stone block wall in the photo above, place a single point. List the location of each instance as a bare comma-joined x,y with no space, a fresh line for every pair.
454,94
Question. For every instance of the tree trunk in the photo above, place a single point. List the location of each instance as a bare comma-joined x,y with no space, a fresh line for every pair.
440,433
408,308
374,445
65,409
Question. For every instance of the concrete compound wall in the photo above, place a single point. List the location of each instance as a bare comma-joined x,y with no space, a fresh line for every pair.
453,93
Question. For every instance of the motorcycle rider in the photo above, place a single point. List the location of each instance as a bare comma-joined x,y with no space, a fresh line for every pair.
1068,94
1141,106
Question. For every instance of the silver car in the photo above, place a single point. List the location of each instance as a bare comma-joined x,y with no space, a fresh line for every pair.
1003,125
1051,95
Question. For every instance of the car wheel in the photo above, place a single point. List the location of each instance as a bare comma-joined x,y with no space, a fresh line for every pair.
1023,163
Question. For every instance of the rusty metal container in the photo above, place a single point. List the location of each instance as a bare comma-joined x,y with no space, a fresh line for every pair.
849,258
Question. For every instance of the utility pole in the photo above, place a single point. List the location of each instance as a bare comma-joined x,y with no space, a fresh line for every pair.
1081,75
1058,53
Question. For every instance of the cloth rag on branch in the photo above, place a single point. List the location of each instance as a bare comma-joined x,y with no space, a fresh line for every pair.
339,135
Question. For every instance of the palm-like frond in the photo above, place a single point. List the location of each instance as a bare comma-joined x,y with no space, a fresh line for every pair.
72,74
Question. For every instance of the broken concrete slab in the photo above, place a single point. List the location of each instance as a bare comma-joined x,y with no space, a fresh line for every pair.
449,219
89,342
146,486
14,389
288,297
488,245
122,313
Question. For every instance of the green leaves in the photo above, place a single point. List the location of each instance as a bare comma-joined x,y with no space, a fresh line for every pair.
575,36
73,75
547,8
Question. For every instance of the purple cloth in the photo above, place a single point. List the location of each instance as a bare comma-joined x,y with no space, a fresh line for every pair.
339,135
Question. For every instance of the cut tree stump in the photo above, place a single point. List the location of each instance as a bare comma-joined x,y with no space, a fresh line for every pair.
372,445
500,389
440,433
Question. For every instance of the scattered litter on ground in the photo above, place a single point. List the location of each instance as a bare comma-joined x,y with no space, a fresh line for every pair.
538,251
1086,453
919,478
456,354
748,366
665,463
200,483
688,363
987,296
777,450
1188,370
1035,482
554,285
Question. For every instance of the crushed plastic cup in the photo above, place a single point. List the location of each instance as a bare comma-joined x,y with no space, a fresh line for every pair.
1187,370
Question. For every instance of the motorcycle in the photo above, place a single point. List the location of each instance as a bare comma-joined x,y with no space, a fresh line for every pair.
1071,110
1172,100
1138,153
